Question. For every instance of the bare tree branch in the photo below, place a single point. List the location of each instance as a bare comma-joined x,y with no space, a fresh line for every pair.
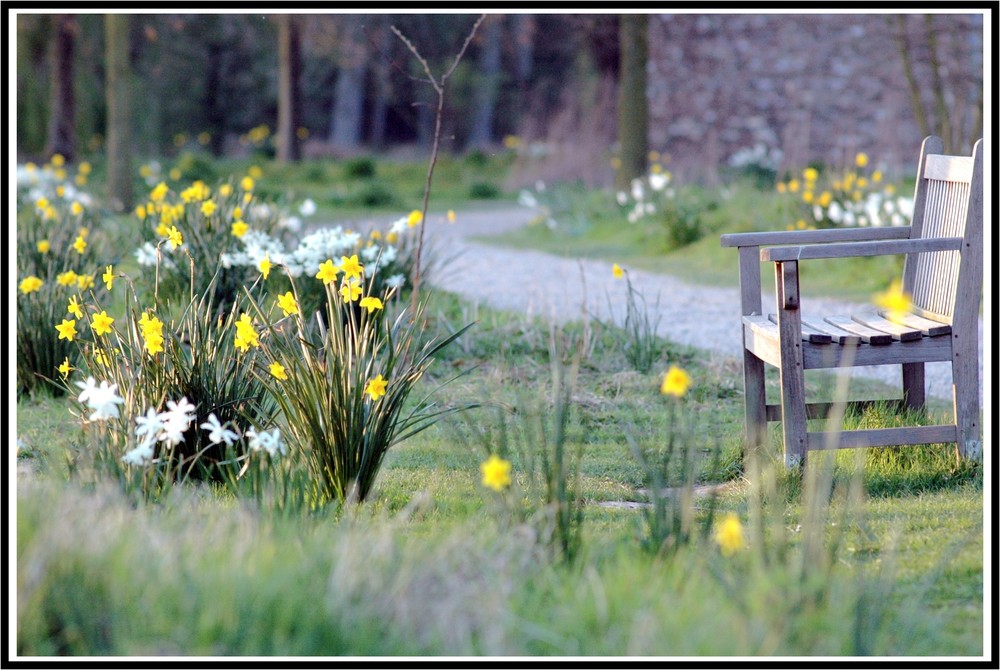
439,88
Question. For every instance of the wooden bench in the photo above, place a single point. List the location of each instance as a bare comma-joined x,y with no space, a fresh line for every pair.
943,272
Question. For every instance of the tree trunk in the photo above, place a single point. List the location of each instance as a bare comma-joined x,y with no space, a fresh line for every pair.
383,85
119,106
633,110
349,93
289,92
524,41
61,132
485,96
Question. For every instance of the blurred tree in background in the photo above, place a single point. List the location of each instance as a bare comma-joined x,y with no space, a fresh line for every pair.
566,90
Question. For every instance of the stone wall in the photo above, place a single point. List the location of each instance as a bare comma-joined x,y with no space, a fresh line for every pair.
819,87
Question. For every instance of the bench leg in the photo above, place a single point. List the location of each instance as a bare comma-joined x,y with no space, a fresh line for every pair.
965,392
755,401
792,369
914,389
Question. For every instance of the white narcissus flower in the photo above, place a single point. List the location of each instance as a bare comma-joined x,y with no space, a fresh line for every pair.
307,208
149,425
217,432
141,455
269,441
176,421
103,399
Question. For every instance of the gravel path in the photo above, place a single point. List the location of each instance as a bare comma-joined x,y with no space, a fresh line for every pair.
541,284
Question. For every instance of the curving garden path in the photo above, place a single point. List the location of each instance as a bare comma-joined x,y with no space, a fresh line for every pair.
541,284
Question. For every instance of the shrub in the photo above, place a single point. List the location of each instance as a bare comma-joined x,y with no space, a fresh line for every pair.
484,190
375,194
362,167
678,211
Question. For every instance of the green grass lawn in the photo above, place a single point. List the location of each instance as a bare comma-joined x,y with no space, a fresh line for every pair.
868,552
435,563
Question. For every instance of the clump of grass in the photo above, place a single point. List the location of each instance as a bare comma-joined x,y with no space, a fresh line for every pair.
344,384
641,343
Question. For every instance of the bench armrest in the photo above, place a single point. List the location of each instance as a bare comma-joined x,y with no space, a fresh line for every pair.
814,236
851,249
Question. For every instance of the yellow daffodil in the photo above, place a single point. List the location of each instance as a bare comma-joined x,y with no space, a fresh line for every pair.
80,244
239,229
861,159
451,216
76,208
101,323
58,160
729,535
810,174
30,284
376,387
64,368
265,265
74,307
351,267
153,344
371,303
895,301
83,282
254,170
174,237
617,272
43,246
84,168
246,336
67,329
675,382
350,290
67,278
327,272
108,276
208,207
289,305
159,192
496,473
414,218
246,183
278,371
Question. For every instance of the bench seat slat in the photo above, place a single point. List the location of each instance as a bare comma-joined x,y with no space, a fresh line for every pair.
898,331
839,335
809,332
928,327
868,335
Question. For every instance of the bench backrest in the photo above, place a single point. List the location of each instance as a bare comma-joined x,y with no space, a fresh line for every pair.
947,203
